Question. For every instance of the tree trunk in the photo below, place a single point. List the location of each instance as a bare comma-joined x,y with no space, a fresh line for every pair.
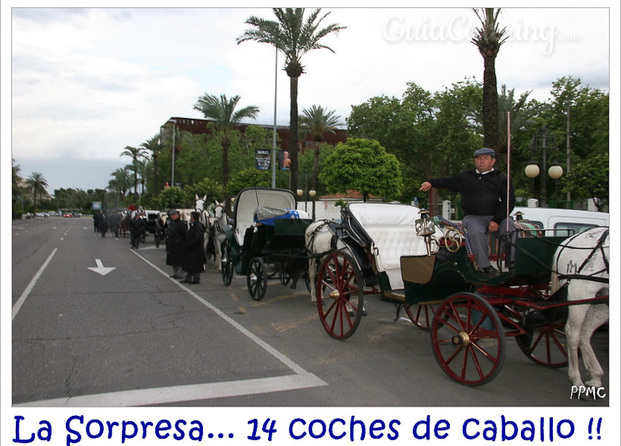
490,104
293,134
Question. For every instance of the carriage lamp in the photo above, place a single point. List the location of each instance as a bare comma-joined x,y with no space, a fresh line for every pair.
424,226
543,142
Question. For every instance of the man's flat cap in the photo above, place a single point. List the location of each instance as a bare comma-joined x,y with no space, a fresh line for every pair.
485,151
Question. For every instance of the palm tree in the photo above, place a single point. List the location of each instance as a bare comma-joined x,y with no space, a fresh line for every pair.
294,37
37,184
135,153
154,145
316,122
488,40
222,111
121,182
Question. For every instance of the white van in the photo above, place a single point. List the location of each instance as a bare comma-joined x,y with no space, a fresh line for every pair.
563,219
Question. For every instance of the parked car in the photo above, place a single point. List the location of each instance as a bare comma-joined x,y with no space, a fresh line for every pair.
563,220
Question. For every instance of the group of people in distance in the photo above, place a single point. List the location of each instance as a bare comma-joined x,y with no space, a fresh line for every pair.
185,248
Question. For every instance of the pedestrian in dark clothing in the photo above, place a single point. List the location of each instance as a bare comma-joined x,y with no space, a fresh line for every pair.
115,223
136,226
101,223
484,200
195,246
176,233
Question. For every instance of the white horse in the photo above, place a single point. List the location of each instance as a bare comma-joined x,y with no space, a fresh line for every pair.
216,234
581,262
199,206
319,239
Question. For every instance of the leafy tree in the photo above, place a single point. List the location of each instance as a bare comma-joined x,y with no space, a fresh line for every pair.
18,190
488,39
316,122
222,111
208,188
430,134
249,178
590,179
173,197
294,36
37,184
363,165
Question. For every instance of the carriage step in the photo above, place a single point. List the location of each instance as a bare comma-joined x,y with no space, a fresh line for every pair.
398,295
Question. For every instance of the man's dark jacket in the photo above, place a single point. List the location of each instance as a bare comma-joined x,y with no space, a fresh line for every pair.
481,194
176,232
195,248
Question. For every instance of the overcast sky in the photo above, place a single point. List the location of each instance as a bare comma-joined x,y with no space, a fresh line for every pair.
85,83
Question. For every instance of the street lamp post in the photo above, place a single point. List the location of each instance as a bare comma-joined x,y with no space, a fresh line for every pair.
313,194
172,173
302,193
542,142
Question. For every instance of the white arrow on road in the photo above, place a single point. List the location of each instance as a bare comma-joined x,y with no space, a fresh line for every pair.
100,269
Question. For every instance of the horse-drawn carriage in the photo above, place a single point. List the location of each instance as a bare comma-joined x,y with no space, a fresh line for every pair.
431,273
266,240
153,225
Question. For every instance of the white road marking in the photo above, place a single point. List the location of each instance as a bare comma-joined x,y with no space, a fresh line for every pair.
31,285
301,379
177,394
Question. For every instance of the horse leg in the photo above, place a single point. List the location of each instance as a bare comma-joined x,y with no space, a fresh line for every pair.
573,329
218,249
596,316
312,274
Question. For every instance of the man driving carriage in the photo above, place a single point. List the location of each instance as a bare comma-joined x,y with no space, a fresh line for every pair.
484,198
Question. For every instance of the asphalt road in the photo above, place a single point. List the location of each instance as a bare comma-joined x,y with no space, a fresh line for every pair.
135,337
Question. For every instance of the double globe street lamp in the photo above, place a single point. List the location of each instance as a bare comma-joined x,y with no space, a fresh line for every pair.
543,142
311,194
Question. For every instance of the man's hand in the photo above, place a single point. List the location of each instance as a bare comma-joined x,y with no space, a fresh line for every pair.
425,186
492,227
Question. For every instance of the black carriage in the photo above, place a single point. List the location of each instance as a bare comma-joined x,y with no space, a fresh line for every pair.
266,240
431,273
154,226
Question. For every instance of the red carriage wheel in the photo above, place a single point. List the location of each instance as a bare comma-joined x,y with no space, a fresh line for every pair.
545,345
468,339
421,315
340,295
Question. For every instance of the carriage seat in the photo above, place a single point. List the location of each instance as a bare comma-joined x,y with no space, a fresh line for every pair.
391,227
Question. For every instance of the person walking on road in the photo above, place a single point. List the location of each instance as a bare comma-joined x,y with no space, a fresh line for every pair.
101,223
115,223
195,245
176,232
136,226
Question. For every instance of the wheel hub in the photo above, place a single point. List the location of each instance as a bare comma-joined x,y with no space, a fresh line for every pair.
461,339
334,294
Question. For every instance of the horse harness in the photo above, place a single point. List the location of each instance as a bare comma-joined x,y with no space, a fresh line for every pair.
599,247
